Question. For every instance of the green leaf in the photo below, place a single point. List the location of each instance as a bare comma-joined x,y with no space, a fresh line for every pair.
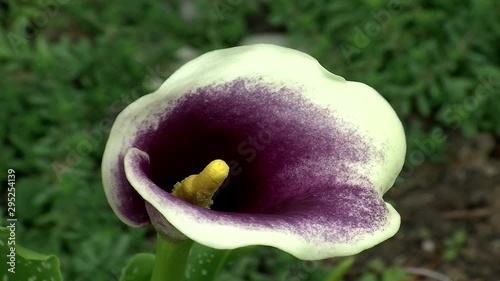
338,273
369,277
423,105
394,274
20,264
139,268
240,252
205,263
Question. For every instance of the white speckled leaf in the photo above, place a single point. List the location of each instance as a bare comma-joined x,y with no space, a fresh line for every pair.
204,263
29,265
139,268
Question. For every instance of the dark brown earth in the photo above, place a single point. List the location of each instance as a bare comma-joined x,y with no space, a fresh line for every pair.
450,216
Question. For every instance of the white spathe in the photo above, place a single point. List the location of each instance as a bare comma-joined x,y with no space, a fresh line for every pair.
356,104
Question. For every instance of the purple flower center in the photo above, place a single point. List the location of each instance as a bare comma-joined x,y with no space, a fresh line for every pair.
285,153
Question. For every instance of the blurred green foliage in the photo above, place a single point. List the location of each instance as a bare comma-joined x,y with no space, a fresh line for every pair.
267,264
454,244
68,67
437,62
379,271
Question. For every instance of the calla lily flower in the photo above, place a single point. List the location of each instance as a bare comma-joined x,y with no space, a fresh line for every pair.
309,155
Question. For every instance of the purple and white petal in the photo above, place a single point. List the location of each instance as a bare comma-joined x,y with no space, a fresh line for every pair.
310,154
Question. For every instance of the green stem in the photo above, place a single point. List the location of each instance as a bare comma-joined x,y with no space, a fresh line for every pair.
171,258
